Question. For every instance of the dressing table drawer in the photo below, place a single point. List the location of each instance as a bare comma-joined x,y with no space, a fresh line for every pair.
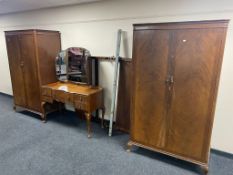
80,98
61,96
81,106
46,92
47,99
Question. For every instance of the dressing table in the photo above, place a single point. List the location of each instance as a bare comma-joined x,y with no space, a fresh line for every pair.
85,98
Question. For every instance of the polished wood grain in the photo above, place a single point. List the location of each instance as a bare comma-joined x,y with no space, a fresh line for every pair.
46,56
31,81
72,88
84,98
16,63
124,91
31,55
176,70
194,78
150,70
182,25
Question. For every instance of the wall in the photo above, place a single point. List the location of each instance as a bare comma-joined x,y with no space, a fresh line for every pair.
94,26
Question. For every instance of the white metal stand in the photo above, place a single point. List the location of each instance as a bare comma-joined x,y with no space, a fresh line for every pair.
115,82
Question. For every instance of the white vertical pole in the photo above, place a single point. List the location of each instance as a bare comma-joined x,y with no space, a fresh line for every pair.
115,82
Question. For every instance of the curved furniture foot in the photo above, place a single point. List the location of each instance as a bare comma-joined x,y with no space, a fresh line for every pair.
14,108
129,146
44,120
205,169
43,114
88,118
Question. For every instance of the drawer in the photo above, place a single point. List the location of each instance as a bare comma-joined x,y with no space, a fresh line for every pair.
80,106
46,92
47,99
62,96
80,98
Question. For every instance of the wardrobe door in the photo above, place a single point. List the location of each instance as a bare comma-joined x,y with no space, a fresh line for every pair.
150,59
15,65
30,71
49,45
196,71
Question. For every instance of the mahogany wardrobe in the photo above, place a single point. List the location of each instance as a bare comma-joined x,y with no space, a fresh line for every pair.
176,70
31,55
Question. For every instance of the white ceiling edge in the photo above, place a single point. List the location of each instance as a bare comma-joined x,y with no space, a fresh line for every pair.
17,6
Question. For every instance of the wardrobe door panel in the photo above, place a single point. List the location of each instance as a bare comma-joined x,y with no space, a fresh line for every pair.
148,124
195,76
30,71
47,56
124,96
16,71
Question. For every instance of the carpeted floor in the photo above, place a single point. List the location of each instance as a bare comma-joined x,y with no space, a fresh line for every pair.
61,147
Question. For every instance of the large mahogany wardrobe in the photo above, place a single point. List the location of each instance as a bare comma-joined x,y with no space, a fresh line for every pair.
176,69
31,55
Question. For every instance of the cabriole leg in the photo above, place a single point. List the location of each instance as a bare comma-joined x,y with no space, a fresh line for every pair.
205,169
88,118
129,146
43,114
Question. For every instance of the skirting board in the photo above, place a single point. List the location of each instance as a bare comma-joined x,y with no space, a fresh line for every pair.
222,153
4,94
